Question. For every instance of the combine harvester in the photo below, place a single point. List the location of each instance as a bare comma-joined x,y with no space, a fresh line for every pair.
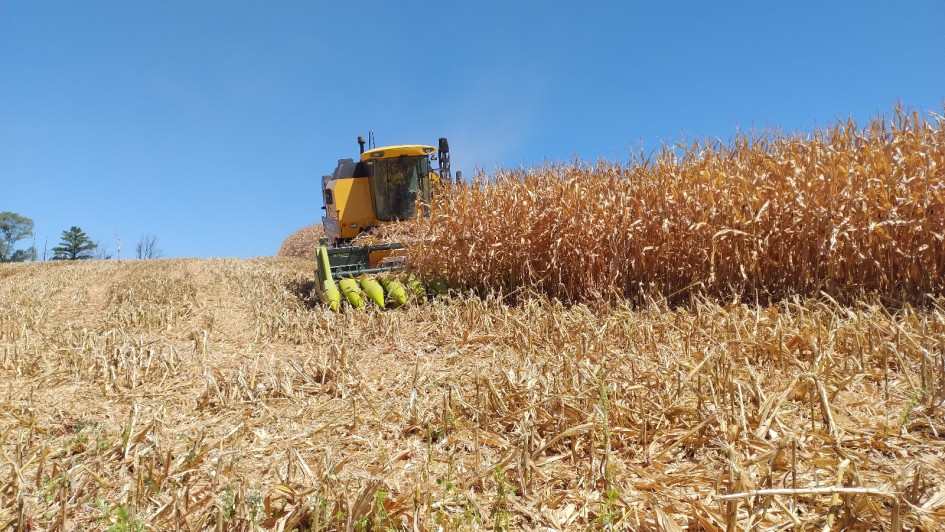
387,185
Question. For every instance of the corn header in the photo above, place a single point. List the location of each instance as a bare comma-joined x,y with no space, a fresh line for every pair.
385,186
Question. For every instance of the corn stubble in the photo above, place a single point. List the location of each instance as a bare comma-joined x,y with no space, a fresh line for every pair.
846,211
234,400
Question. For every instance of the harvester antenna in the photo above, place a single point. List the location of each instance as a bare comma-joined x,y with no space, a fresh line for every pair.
370,137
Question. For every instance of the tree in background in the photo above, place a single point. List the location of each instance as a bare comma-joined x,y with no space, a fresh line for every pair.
147,248
101,251
13,228
75,245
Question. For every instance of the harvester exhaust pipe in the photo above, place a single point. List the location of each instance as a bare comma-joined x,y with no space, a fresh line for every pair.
361,142
444,158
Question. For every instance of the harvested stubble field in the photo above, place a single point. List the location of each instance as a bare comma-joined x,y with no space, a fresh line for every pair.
744,336
202,394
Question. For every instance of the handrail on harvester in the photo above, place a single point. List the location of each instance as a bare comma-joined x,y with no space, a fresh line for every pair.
353,261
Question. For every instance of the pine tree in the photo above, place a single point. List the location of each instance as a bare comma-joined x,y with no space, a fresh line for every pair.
75,245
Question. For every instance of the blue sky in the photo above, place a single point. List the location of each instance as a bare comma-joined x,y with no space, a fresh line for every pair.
208,124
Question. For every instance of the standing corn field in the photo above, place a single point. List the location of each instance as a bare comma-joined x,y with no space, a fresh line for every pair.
846,211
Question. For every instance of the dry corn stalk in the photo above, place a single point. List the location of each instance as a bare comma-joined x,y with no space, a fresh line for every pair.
302,243
845,211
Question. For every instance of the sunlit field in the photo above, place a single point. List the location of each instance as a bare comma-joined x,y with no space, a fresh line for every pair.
207,394
722,337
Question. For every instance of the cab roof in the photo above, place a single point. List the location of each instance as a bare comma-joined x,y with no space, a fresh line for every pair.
387,152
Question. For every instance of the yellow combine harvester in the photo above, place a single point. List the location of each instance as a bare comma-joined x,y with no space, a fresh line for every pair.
386,185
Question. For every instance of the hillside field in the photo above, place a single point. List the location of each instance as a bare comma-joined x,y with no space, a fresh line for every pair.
215,394
716,336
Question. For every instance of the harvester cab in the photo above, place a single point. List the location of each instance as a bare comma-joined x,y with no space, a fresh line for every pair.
385,185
